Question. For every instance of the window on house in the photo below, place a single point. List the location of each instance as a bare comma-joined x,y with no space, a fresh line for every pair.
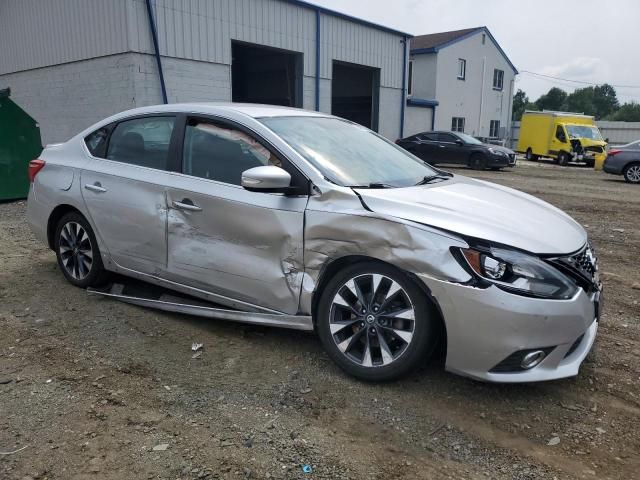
457,124
462,68
494,128
498,79
484,38
410,82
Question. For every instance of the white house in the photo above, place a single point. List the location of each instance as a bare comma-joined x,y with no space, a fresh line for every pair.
460,80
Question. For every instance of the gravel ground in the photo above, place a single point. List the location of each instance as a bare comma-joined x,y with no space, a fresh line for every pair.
93,388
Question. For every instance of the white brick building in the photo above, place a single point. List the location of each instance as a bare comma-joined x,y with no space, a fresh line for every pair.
71,63
460,80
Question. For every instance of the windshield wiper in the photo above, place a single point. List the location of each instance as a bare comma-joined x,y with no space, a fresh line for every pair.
374,185
431,178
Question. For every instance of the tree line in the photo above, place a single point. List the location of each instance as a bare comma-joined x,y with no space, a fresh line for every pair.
600,101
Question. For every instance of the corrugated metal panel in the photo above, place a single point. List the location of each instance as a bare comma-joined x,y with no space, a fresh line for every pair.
203,29
35,33
354,43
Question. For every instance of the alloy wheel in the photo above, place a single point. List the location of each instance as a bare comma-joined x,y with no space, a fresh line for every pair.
75,250
372,320
633,174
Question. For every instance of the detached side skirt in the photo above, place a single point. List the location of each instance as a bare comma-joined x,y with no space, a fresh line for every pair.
170,302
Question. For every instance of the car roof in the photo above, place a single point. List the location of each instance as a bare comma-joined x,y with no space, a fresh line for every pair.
250,109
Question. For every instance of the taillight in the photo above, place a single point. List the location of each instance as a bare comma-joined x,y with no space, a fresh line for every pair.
34,167
613,152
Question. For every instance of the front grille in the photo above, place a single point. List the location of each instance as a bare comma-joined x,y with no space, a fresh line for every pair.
581,266
512,158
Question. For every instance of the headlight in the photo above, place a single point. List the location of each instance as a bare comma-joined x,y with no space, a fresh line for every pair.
497,152
519,273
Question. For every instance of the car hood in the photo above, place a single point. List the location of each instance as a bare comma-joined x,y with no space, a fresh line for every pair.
482,210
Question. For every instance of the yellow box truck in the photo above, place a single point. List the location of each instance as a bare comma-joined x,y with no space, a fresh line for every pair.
562,136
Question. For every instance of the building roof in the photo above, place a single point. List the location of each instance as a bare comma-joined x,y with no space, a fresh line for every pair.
433,42
334,13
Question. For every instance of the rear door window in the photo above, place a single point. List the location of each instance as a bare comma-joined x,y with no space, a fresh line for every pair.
142,141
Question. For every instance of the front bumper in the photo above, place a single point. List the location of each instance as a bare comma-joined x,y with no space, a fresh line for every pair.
485,326
495,161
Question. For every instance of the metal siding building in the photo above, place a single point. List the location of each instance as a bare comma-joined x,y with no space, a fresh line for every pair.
71,63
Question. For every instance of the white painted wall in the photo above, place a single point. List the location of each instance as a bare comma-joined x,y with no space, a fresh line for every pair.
472,98
425,71
417,119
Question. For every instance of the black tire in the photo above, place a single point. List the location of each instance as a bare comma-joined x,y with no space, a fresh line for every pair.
563,159
365,333
632,173
478,161
530,156
78,253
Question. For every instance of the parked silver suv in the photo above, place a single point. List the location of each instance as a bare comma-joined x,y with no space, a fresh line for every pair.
299,219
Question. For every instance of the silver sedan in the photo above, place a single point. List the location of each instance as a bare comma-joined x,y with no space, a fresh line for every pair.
298,219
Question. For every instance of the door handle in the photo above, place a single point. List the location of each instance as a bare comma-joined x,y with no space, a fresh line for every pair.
186,204
96,187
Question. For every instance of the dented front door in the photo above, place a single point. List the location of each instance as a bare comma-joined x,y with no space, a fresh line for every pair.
232,242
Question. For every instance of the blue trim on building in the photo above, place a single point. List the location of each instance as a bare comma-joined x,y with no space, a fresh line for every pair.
344,16
435,49
317,60
156,49
421,102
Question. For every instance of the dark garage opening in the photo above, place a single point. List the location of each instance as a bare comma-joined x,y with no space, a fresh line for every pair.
265,75
354,93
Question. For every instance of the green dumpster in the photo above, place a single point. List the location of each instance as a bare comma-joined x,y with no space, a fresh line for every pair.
19,143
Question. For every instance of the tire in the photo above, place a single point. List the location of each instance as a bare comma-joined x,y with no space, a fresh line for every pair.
632,173
496,169
530,156
478,161
358,330
563,159
77,252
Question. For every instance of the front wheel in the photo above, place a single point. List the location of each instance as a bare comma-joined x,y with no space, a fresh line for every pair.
530,156
632,173
77,252
375,322
563,159
478,161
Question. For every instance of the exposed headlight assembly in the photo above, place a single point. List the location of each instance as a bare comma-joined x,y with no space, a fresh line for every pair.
497,152
519,273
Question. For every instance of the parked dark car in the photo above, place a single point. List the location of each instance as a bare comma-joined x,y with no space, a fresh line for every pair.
459,148
624,160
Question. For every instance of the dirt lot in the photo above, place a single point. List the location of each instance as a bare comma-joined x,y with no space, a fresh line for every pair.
88,387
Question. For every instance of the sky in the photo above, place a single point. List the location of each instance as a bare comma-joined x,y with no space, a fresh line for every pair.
583,40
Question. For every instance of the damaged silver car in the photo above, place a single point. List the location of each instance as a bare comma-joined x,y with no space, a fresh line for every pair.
284,217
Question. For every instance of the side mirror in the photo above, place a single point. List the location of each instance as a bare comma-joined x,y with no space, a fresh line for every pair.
606,140
268,179
459,142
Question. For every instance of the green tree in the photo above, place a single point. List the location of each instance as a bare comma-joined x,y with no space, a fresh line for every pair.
520,101
553,100
605,100
581,101
629,112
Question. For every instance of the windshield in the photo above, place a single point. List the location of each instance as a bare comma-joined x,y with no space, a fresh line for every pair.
349,154
469,139
584,131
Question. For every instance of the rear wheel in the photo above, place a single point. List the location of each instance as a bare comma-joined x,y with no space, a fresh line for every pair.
530,156
632,173
77,252
563,158
478,161
375,322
